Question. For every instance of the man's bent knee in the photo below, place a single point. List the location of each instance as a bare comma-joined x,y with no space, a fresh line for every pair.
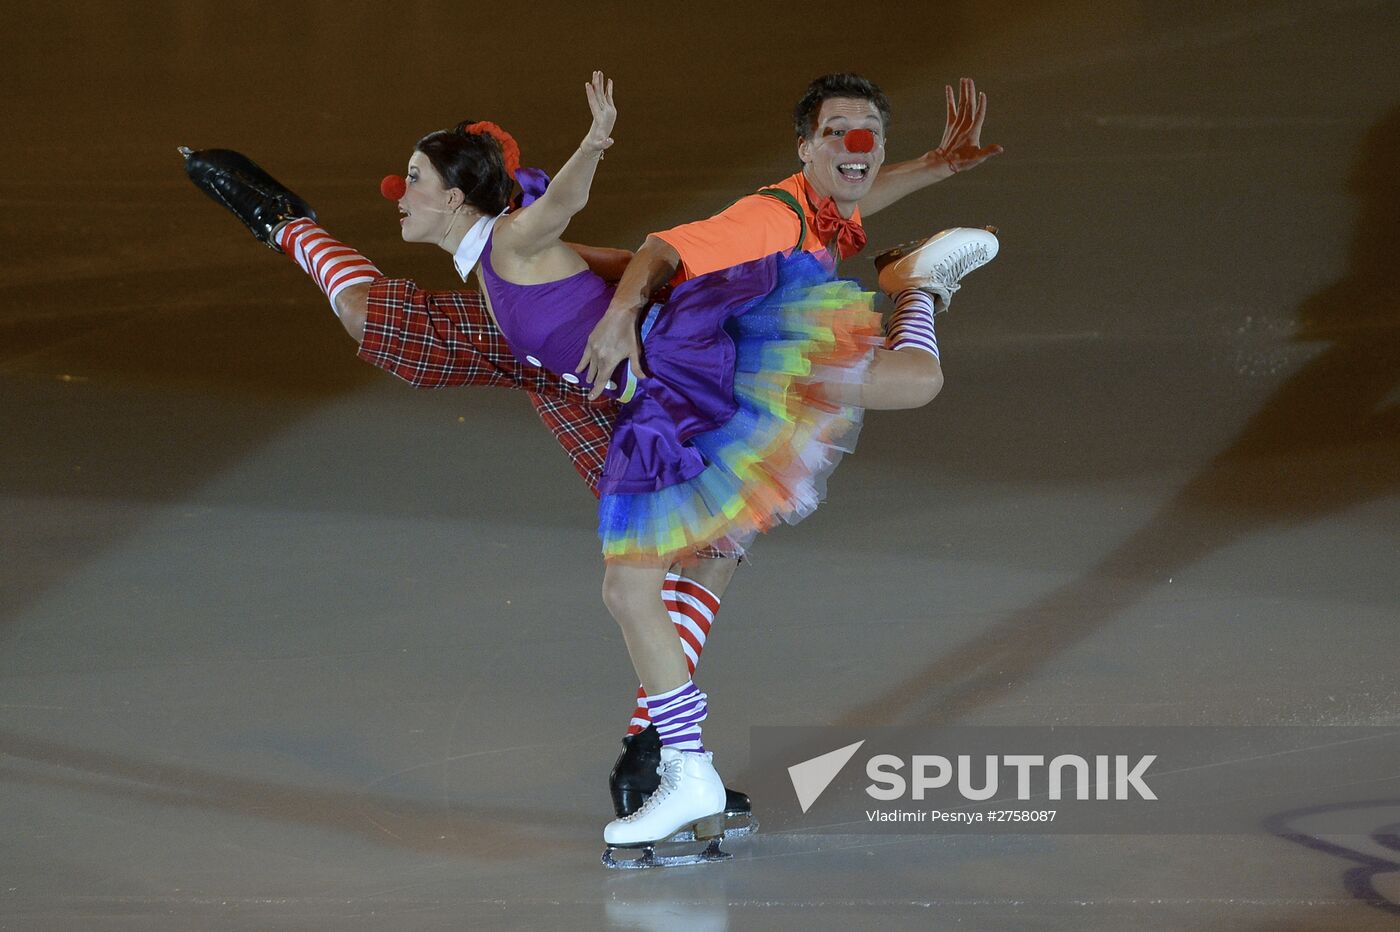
923,377
928,385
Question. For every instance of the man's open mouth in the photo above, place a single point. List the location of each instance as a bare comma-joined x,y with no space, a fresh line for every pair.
853,171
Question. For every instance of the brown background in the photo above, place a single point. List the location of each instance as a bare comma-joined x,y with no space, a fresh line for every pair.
286,644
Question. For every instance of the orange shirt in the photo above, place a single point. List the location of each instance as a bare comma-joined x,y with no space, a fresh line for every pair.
750,228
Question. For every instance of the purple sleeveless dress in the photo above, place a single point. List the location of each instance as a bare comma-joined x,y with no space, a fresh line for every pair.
729,433
687,352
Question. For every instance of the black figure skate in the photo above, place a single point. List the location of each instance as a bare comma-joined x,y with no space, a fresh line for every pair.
252,195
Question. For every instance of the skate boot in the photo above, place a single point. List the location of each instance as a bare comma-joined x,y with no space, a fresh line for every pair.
634,777
690,797
936,264
250,194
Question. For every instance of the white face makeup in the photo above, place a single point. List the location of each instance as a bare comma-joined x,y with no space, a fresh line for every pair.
833,172
427,206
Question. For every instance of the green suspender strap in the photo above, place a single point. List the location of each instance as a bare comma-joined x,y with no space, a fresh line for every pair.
778,194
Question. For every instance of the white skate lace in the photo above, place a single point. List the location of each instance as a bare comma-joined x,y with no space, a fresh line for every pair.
670,772
952,269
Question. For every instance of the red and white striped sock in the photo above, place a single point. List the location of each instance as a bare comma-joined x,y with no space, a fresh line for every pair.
912,323
692,608
334,265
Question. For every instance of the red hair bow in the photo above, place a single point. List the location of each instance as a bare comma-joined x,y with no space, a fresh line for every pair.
510,149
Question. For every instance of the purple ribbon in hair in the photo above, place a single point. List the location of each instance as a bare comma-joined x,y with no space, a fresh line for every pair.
533,182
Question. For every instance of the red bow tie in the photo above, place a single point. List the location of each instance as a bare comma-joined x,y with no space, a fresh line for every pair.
830,225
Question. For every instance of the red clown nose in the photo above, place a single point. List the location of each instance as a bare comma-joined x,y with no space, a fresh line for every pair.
860,140
393,187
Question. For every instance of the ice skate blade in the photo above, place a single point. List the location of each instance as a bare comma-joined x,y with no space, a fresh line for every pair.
648,858
737,825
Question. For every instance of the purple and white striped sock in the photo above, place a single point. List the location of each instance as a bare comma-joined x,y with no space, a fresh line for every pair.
912,323
677,716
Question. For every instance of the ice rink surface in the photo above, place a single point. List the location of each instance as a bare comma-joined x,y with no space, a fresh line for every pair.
285,644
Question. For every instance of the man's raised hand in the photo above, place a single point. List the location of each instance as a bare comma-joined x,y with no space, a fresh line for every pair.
962,147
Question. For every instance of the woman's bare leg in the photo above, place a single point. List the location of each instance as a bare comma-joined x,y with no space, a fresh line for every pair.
633,596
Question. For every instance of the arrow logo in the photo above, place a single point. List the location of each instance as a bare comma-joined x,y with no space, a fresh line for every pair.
811,777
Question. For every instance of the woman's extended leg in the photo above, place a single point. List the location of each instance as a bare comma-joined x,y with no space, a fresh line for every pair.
352,307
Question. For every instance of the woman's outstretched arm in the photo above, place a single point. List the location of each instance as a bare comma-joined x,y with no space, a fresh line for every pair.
542,223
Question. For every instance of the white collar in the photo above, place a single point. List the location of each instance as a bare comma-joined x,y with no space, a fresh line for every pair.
473,244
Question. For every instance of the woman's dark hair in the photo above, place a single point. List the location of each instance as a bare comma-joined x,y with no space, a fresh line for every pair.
472,162
828,86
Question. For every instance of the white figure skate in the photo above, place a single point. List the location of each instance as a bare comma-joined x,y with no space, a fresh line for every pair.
937,264
690,799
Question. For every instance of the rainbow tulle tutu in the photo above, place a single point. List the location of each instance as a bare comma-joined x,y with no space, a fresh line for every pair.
731,433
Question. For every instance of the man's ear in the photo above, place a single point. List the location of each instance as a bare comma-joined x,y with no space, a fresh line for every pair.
804,149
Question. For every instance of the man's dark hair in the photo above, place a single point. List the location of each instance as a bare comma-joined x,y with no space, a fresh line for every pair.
472,162
804,115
